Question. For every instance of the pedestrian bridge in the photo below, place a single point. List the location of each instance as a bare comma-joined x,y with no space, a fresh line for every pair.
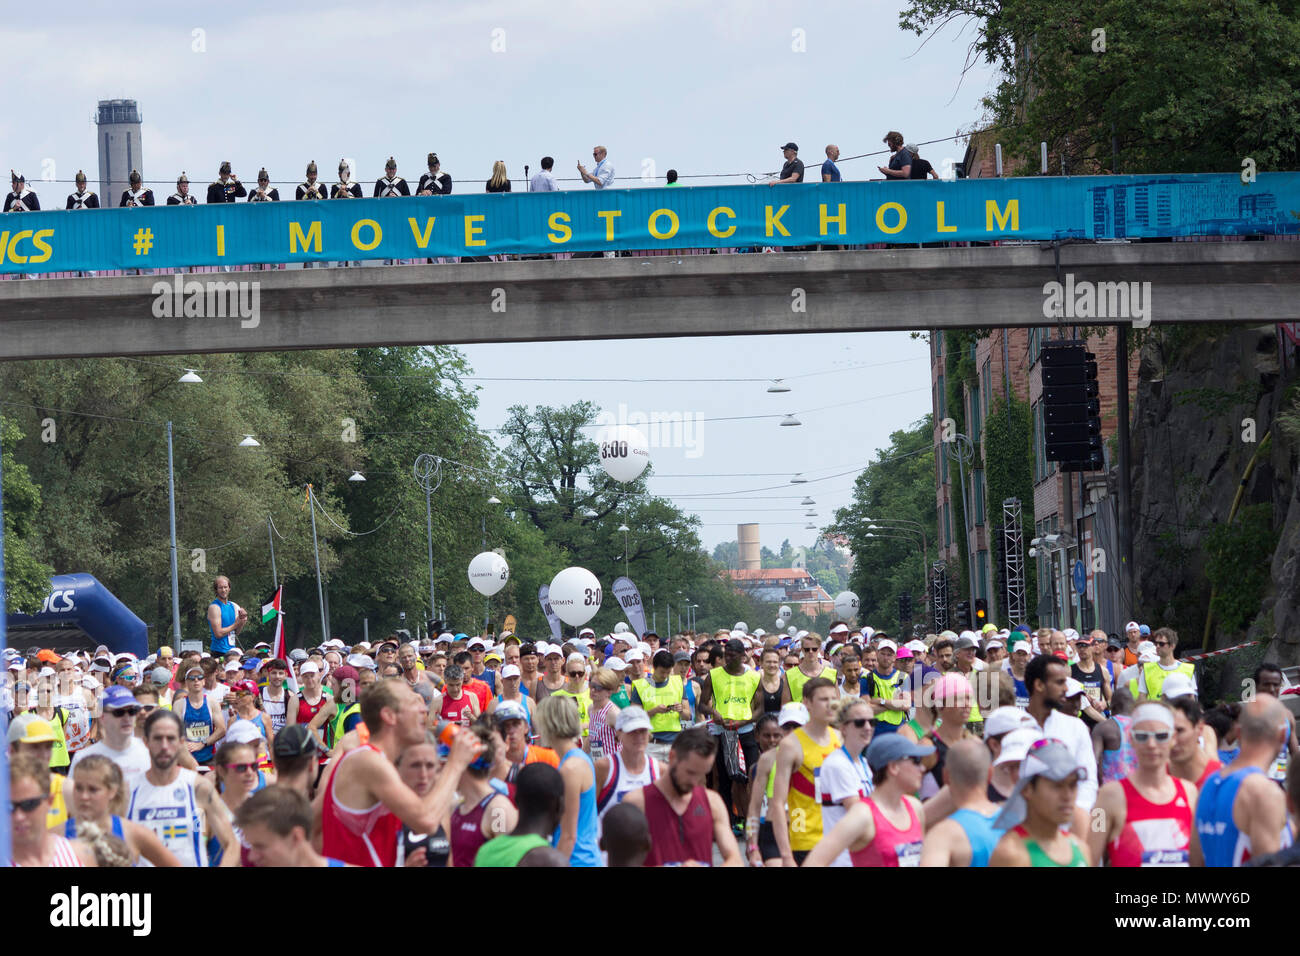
652,296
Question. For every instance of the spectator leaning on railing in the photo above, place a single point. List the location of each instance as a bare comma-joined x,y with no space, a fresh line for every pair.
792,171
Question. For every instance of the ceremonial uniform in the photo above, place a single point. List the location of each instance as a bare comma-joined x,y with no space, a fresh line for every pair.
312,190
140,196
21,199
396,186
82,200
228,191
176,199
271,195
342,190
438,184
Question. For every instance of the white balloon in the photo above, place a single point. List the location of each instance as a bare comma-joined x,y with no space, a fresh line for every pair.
741,626
575,596
784,612
792,630
624,452
846,605
488,573
620,627
780,622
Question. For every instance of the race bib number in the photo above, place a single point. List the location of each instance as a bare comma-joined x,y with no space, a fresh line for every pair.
909,854
197,732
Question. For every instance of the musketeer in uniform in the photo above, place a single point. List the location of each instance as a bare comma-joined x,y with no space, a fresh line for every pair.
435,182
391,184
312,189
182,195
345,188
83,198
264,191
227,187
21,199
138,194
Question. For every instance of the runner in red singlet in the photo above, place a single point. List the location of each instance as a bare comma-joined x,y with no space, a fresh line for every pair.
360,809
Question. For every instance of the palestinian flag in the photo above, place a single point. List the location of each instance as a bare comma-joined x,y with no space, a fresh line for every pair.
271,611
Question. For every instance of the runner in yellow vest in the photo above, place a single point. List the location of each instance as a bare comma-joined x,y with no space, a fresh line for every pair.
890,701
810,666
798,772
661,696
575,671
730,697
1151,677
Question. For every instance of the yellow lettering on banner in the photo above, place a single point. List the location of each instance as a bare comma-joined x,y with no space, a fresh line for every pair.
880,217
941,227
13,244
221,240
4,245
422,238
609,215
772,220
39,242
842,219
472,230
991,212
713,222
558,223
376,234
672,218
309,242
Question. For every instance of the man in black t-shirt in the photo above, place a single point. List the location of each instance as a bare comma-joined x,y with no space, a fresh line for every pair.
920,168
792,171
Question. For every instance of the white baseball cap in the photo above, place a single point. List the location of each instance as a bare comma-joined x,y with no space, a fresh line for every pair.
630,719
1177,685
635,654
793,713
510,670
616,664
887,643
1072,687
310,667
1016,744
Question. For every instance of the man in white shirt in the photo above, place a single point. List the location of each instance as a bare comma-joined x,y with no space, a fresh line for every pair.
120,744
602,174
543,181
1046,677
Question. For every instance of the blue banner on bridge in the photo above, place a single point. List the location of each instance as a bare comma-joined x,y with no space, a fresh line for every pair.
833,214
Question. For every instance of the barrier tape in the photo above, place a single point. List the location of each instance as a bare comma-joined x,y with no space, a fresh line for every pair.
1218,653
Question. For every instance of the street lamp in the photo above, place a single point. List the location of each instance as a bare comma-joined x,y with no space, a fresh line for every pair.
190,378
357,476
778,385
624,528
799,479
249,442
790,421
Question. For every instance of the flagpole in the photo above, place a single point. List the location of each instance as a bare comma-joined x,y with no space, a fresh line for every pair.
320,591
275,578
171,507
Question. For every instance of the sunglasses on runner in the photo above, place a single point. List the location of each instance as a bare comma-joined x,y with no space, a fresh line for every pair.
1145,736
576,673
124,712
241,767
860,722
916,760
26,806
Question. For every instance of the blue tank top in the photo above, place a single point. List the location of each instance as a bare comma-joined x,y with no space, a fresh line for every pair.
1222,844
586,844
198,726
219,645
70,828
979,831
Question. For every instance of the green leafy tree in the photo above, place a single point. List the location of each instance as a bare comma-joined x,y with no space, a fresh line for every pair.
27,579
1171,86
898,485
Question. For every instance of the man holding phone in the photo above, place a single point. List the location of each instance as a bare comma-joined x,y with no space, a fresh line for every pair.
602,174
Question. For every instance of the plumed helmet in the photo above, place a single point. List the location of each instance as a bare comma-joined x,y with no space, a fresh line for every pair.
311,168
134,178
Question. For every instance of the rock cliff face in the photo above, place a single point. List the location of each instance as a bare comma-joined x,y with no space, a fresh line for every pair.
1198,393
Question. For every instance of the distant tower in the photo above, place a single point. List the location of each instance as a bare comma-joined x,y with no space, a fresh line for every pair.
747,538
119,147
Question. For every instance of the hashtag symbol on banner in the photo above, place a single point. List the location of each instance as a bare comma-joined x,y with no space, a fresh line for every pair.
143,241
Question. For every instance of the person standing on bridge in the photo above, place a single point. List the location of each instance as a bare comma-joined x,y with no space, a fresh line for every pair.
900,164
792,171
83,198
226,187
182,195
345,188
435,182
311,189
391,184
264,191
21,199
602,174
543,181
831,172
138,194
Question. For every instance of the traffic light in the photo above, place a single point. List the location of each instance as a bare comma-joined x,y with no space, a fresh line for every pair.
963,615
1071,408
981,613
904,607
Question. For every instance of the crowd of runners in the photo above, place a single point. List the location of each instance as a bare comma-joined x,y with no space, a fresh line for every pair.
1003,748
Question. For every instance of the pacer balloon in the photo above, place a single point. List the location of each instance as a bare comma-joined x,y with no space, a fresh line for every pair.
624,452
846,605
488,573
575,596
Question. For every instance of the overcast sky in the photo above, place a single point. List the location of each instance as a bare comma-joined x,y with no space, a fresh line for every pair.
703,87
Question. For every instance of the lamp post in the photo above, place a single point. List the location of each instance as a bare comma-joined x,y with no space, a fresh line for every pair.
171,507
961,449
624,529
487,601
428,475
